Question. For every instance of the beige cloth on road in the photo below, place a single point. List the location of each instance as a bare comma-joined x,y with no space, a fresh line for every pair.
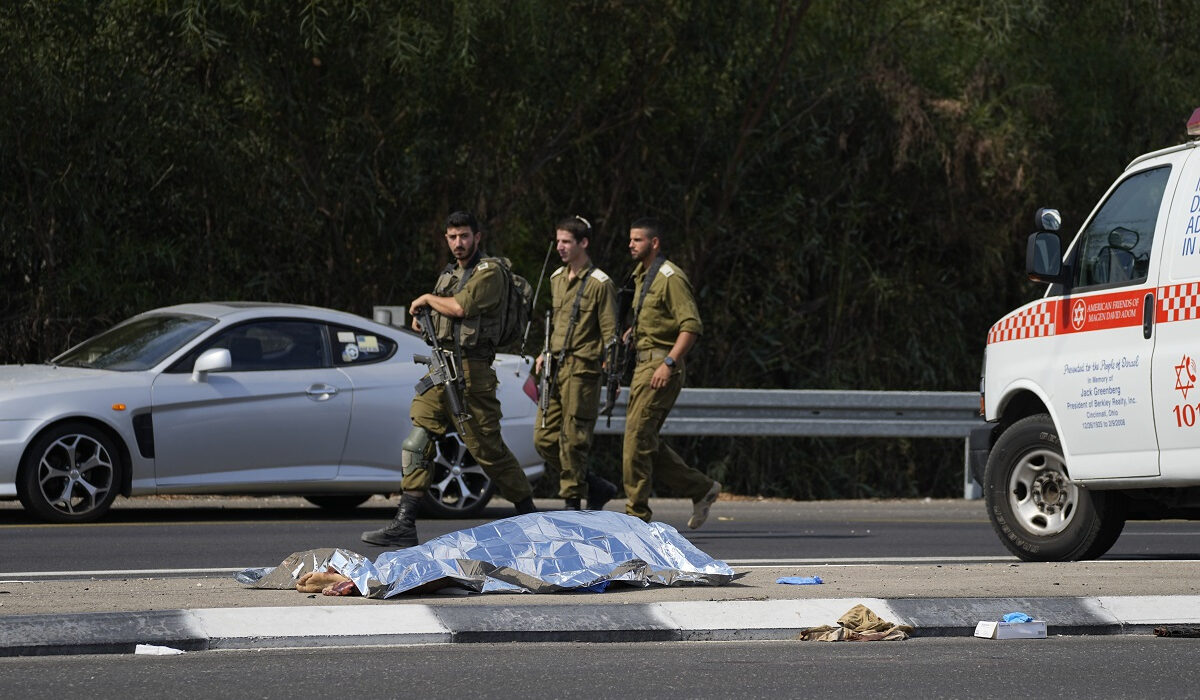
859,624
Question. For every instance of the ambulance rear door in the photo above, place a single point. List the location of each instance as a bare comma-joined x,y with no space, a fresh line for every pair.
1100,386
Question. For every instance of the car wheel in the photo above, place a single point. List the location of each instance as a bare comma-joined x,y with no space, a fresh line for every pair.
1039,514
341,502
70,474
460,488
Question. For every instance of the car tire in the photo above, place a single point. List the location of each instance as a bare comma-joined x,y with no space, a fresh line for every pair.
1039,514
70,474
460,487
339,503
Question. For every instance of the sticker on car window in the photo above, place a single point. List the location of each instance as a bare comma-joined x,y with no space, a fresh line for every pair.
368,343
350,353
345,337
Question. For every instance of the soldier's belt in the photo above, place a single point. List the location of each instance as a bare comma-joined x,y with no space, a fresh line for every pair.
652,355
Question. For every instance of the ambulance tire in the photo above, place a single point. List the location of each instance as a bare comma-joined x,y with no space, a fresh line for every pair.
1035,509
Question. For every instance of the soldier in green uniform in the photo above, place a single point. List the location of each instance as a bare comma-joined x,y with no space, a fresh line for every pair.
666,324
584,322
466,305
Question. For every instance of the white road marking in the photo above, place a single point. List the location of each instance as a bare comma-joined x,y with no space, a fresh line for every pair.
117,573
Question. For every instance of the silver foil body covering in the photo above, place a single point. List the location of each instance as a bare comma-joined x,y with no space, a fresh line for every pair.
541,552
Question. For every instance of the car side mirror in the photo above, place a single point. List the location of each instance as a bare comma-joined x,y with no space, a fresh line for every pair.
212,360
1043,258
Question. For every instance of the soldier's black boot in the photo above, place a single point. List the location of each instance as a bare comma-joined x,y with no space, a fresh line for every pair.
573,504
525,505
402,531
600,491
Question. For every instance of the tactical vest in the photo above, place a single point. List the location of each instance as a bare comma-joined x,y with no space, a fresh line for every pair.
474,332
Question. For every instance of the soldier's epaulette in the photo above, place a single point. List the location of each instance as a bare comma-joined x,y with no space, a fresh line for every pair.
666,270
599,274
481,265
558,272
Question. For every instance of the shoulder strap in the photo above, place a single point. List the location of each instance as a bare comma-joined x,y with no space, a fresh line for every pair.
650,275
456,324
470,270
574,312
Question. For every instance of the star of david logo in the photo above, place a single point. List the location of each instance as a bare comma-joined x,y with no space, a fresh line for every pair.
1078,314
1185,376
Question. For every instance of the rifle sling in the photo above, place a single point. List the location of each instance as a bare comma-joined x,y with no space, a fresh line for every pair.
650,275
562,352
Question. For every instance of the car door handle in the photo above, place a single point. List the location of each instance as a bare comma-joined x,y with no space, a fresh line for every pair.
1148,316
321,392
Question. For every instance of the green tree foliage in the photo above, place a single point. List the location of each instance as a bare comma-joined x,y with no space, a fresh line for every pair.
848,184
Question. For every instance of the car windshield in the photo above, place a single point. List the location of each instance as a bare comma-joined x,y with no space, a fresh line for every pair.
134,345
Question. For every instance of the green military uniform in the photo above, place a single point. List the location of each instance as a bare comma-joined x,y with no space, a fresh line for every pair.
668,309
564,437
481,298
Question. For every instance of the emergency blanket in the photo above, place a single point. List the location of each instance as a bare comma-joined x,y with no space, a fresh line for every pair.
859,624
543,552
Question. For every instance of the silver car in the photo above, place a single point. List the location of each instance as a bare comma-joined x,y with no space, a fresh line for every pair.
239,398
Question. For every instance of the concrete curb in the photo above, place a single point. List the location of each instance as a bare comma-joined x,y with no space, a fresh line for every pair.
256,628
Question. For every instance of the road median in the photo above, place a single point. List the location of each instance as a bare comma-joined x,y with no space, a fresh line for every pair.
113,615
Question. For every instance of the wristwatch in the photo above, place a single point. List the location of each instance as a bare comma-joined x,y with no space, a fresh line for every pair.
668,361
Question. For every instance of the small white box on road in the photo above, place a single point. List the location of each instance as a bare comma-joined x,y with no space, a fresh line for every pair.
990,629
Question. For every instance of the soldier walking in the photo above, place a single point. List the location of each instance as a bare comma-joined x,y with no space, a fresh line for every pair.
666,324
467,306
584,322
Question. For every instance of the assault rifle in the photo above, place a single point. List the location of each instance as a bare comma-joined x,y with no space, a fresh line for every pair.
546,381
616,357
443,368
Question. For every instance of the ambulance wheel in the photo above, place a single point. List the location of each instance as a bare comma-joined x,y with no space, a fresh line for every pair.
1039,514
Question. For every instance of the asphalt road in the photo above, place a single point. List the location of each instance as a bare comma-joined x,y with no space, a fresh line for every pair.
1108,667
224,533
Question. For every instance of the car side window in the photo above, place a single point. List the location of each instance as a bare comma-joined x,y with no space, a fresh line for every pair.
354,346
268,345
1114,249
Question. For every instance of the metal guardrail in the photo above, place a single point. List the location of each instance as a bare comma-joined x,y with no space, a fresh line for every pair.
814,413
818,413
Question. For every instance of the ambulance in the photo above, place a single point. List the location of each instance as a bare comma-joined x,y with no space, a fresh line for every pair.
1092,393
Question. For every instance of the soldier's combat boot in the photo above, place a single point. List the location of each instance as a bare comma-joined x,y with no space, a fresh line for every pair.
573,504
402,531
600,491
525,505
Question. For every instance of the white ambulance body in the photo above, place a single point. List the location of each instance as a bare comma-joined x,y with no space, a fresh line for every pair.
1092,393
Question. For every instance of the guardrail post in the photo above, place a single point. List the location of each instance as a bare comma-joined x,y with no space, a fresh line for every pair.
971,489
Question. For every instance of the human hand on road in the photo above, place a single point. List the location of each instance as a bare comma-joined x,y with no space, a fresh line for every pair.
321,581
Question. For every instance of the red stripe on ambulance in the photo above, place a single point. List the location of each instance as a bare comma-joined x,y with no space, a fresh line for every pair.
1102,312
1035,322
1098,312
1178,302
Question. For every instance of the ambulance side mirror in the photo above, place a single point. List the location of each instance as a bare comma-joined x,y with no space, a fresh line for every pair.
1043,258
